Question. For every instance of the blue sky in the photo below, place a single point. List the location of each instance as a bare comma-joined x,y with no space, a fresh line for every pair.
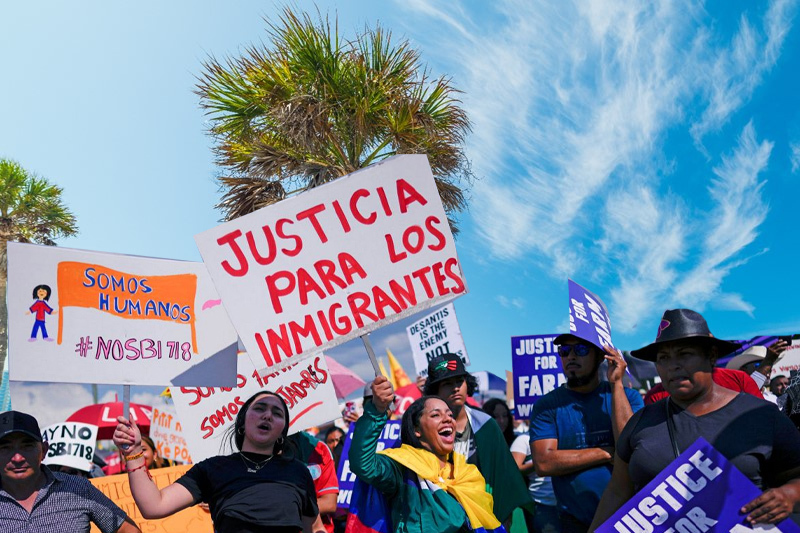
650,151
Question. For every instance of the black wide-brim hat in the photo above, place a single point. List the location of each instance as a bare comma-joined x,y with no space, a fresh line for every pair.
445,366
683,324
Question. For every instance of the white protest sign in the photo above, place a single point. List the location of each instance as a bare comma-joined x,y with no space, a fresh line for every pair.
207,413
789,361
435,334
167,434
88,317
70,444
335,262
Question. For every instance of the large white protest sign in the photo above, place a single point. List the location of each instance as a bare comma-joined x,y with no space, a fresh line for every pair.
88,317
206,414
167,434
435,334
335,262
70,444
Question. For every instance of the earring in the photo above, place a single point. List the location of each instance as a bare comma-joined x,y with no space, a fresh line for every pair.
240,431
279,442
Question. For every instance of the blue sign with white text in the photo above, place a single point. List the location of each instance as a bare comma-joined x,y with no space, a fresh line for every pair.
537,370
588,316
698,491
390,438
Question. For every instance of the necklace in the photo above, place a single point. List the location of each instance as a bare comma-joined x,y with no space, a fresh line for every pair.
256,465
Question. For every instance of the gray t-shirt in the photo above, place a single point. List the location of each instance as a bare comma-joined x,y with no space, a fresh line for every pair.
750,432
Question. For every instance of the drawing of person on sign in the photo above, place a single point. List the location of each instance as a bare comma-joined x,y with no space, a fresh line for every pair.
41,293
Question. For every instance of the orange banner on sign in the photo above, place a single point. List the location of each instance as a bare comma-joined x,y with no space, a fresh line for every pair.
130,296
191,520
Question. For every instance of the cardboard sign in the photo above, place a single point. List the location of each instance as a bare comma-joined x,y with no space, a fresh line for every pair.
588,316
167,433
70,444
537,371
88,317
698,491
206,413
191,520
390,438
335,262
435,334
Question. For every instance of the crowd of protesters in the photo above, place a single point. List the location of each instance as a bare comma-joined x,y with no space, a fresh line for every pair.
588,447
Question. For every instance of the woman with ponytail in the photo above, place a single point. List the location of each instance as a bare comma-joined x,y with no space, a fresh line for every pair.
260,488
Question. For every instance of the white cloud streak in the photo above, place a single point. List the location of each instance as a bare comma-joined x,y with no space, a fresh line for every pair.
794,156
572,104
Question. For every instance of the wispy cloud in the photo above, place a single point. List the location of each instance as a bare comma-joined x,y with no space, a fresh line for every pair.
572,105
736,71
794,156
510,303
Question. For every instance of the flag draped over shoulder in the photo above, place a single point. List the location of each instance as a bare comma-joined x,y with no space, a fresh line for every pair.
463,494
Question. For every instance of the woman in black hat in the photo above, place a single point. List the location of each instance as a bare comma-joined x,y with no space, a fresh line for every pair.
751,433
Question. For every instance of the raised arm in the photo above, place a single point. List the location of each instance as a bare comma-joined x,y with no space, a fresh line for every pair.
377,470
621,410
152,501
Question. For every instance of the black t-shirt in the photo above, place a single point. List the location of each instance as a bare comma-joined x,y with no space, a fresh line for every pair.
750,432
274,498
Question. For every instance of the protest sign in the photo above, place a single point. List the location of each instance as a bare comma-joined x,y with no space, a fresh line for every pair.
537,371
698,491
70,444
88,317
335,262
191,520
789,361
390,438
588,316
167,433
435,334
206,413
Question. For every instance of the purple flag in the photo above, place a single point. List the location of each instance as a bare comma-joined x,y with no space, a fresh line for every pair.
588,316
698,491
537,370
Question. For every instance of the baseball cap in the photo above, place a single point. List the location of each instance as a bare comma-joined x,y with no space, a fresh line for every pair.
16,422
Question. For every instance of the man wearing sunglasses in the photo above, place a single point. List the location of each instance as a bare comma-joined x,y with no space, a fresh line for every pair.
573,428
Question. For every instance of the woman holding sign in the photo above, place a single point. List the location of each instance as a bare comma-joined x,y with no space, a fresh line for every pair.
260,488
426,485
750,432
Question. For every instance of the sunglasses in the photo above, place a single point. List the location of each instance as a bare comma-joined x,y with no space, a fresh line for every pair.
581,350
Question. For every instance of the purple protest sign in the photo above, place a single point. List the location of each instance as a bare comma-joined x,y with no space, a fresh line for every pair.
390,437
698,491
537,371
588,316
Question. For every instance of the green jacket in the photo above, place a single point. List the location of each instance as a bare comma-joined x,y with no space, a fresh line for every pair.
413,509
497,466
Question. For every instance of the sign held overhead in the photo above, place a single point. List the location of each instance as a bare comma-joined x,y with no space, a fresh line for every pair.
335,262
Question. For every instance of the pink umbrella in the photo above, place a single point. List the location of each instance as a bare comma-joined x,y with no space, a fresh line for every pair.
345,380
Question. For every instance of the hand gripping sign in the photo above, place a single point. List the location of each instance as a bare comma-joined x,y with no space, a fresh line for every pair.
588,316
335,262
77,316
698,491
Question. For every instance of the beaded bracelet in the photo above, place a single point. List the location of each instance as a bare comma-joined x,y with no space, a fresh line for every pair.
139,468
134,456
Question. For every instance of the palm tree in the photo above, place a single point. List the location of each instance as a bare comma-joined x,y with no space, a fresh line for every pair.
31,210
315,107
